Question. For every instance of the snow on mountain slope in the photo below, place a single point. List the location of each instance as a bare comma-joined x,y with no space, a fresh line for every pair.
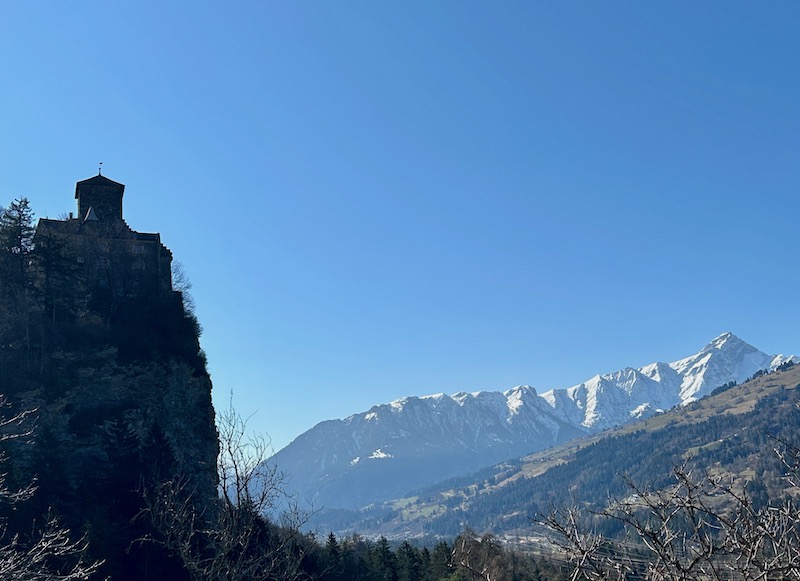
416,441
609,400
727,358
412,442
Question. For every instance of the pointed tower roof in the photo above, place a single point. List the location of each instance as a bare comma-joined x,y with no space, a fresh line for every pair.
101,194
98,181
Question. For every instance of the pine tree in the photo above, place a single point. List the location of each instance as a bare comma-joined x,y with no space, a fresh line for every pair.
16,240
440,560
16,243
59,286
384,562
333,554
409,566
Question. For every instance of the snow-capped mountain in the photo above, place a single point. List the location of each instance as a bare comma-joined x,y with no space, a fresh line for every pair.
417,441
394,448
605,401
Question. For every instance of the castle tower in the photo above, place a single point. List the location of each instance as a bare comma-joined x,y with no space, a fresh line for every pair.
103,196
116,261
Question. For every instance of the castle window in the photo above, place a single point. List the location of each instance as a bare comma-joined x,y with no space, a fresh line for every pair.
138,249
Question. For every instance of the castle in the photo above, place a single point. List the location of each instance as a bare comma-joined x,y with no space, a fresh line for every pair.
114,260
95,340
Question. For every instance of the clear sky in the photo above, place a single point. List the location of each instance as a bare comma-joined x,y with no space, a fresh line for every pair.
380,199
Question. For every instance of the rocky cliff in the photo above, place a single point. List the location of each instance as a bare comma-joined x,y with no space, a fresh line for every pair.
119,407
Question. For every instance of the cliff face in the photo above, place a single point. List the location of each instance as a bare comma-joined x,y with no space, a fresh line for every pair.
120,407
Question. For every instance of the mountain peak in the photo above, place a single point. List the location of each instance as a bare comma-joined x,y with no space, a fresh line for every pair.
519,389
418,440
726,340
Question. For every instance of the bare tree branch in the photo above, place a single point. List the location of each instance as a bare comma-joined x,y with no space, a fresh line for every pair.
232,539
698,529
45,554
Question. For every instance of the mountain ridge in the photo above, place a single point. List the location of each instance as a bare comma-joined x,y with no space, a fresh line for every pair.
415,441
734,432
611,399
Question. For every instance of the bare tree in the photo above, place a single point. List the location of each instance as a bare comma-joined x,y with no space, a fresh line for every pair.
232,539
182,284
47,557
699,528
483,559
48,552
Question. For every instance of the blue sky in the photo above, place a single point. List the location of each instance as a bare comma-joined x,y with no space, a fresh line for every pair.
379,199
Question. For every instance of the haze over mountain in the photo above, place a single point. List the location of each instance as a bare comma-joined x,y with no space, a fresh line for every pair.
412,442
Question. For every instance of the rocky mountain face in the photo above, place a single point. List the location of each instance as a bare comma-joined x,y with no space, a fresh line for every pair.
395,448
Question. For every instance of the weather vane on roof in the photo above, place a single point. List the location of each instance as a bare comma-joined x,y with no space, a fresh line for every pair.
100,169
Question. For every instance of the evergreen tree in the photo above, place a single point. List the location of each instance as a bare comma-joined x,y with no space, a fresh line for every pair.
60,288
16,243
426,569
409,565
384,562
440,560
333,556
16,231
